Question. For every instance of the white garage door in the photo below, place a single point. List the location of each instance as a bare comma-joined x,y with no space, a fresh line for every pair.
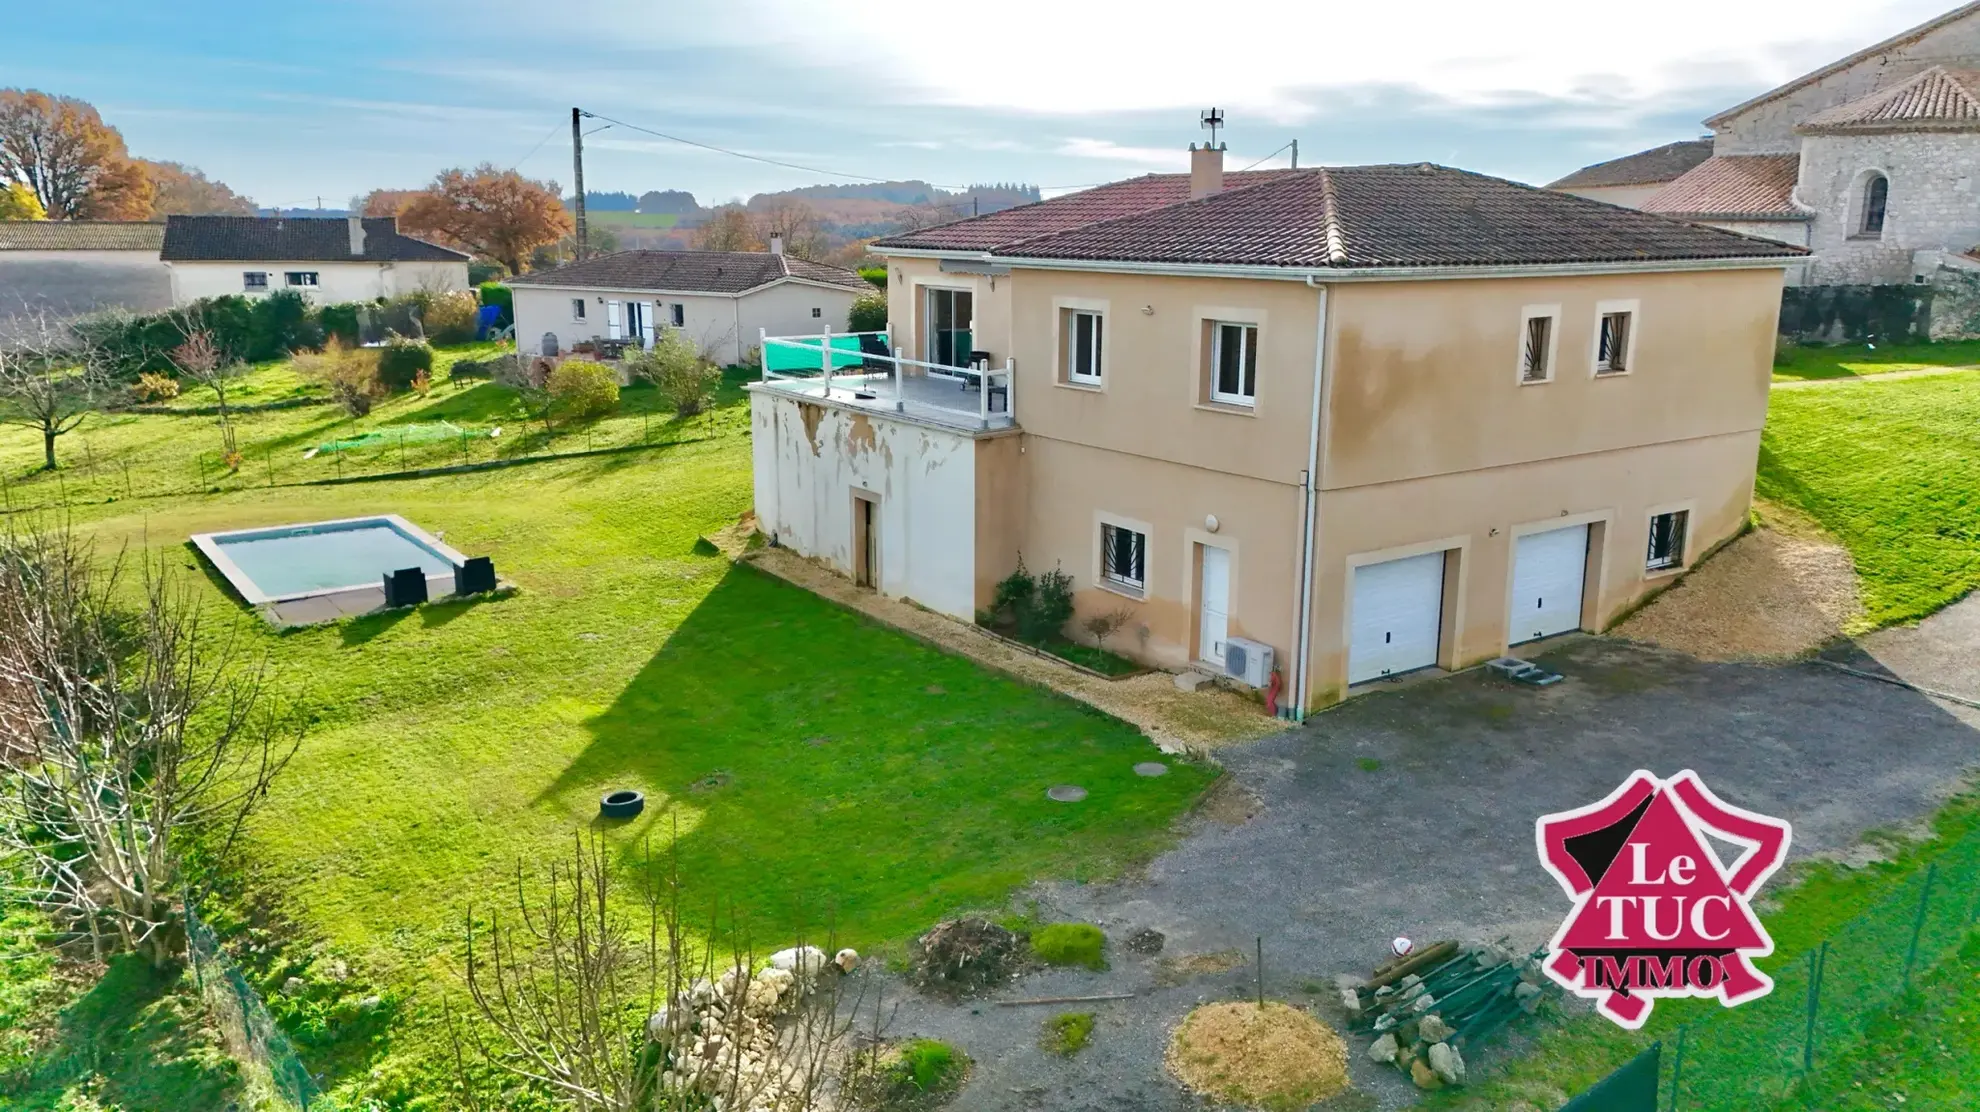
1398,611
1546,592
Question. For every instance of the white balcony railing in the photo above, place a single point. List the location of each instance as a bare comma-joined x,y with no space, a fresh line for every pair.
859,368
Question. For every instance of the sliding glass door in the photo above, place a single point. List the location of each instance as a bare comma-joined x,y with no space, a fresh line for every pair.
950,315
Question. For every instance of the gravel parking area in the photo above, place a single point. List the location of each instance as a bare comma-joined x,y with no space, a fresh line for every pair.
1411,812
1773,594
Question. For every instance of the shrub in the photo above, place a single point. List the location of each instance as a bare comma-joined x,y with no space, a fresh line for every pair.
450,318
1067,1034
155,388
1050,609
1070,944
582,390
1013,592
401,361
874,274
405,314
495,293
869,313
1102,626
349,374
930,1065
686,380
282,323
341,322
492,368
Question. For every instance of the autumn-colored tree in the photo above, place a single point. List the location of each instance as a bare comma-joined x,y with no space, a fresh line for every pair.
802,229
18,202
181,190
728,228
497,214
76,165
383,202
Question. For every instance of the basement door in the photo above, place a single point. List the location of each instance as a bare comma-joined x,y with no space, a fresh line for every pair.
1214,605
866,543
1548,569
1398,615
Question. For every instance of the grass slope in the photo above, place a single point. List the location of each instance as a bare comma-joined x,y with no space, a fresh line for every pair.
818,766
1850,360
1892,470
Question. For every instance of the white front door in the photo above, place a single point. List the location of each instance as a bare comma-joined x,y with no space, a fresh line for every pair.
1547,580
614,321
1398,615
1214,602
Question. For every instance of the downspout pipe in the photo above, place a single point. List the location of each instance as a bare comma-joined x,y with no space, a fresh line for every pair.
1310,512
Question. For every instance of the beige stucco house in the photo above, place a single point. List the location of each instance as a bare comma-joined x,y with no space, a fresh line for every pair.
1372,419
326,260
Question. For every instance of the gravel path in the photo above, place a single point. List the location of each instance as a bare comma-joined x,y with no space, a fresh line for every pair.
1769,595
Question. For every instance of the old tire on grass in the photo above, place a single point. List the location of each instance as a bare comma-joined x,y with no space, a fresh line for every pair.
622,804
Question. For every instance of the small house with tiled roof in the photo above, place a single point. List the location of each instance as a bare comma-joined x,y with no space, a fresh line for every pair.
721,300
69,268
1871,161
326,260
1631,179
1307,430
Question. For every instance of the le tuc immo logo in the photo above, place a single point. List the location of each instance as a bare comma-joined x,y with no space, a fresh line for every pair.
1656,912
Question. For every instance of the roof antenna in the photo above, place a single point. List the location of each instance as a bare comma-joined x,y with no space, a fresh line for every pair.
1212,118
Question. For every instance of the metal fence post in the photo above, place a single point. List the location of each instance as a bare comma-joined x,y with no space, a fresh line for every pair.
1677,1066
1918,924
1818,960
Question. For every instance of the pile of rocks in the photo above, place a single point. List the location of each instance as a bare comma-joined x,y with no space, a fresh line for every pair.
722,1038
1424,1008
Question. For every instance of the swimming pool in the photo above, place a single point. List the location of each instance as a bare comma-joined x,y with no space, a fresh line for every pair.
327,558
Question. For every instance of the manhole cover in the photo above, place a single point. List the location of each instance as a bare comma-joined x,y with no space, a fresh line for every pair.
1151,768
1065,793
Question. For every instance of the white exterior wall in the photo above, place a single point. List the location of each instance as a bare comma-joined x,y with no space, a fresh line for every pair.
1934,201
72,283
336,281
1628,196
725,327
809,459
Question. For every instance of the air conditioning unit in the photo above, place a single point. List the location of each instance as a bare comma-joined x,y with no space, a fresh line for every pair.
1247,662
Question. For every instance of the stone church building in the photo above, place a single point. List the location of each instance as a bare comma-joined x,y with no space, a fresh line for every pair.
1872,162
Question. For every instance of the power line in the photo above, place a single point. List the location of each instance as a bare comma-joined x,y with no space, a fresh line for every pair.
554,128
741,154
1267,158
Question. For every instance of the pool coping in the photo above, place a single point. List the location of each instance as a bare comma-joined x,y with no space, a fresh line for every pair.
209,545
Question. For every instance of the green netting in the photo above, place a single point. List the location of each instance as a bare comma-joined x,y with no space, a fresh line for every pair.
808,356
395,435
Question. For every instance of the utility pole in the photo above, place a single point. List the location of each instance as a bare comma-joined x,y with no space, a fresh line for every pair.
577,164
1295,154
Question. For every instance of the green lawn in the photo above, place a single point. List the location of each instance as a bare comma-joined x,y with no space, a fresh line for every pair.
820,767
1892,470
1850,360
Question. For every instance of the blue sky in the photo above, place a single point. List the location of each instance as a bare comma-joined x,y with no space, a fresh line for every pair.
289,102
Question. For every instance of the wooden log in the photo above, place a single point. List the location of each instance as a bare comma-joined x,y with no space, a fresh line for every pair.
1065,999
1390,972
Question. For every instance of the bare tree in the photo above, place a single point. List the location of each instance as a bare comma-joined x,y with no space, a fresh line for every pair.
202,359
128,728
798,224
554,981
50,379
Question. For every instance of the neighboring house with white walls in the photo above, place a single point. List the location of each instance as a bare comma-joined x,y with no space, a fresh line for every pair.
1872,162
326,260
721,300
1368,419
69,268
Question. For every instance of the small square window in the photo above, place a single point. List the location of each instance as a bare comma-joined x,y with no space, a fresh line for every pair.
1124,557
816,312
1233,363
577,308
301,277
1612,345
1667,540
1083,331
680,315
254,280
1536,352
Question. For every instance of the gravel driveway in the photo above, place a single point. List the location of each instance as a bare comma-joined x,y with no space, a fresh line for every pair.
1411,812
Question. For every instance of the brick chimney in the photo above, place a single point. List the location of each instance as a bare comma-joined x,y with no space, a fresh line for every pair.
357,236
1206,170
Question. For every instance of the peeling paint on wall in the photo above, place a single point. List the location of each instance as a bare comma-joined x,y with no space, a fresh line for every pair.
811,414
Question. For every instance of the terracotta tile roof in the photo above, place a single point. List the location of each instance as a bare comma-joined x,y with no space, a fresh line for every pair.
1390,216
1073,210
723,272
1735,186
302,239
1658,164
80,235
1903,38
1934,99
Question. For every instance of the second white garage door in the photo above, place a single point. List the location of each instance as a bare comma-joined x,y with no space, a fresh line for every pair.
1398,612
1547,580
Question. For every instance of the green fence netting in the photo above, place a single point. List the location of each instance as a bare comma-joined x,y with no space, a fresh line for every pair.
391,436
807,356
274,1072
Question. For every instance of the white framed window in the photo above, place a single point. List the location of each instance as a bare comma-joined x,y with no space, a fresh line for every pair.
1615,337
1083,331
680,315
1666,540
1233,363
816,312
254,279
1123,558
1539,329
577,309
301,277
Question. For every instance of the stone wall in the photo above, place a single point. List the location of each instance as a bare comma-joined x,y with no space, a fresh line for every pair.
1853,314
1955,304
1934,202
